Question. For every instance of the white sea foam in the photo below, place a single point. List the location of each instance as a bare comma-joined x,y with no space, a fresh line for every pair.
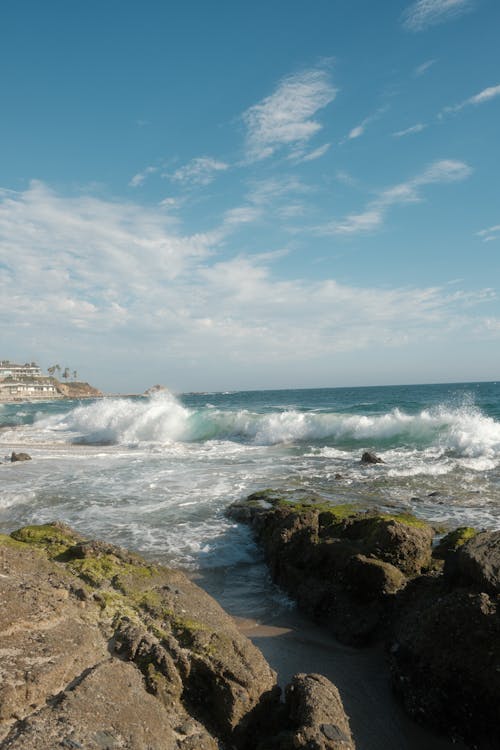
162,421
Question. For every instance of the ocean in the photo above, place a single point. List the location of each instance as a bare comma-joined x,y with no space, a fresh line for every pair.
156,474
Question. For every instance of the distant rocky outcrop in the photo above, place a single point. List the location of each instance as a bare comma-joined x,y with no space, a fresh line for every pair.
371,575
156,389
103,650
75,389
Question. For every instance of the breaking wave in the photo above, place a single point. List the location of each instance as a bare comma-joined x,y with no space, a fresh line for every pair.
462,430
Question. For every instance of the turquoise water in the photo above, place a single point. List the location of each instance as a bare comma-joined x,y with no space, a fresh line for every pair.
157,474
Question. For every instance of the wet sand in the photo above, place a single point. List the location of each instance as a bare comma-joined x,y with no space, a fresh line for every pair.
292,644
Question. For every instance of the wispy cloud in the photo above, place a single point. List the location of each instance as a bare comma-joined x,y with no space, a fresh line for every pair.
424,13
423,68
199,171
359,130
301,155
285,118
374,214
139,178
489,234
483,96
410,131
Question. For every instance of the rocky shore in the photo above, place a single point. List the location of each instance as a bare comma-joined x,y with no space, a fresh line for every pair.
101,650
373,577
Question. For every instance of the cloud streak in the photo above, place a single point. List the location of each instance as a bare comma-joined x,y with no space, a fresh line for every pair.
422,14
375,212
490,234
486,95
410,131
286,117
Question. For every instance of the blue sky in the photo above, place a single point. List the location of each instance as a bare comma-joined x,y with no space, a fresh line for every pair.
246,195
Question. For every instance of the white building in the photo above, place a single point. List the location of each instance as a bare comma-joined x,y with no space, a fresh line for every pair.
24,382
12,370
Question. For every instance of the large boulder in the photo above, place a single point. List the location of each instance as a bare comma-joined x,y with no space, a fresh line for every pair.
103,650
476,563
343,566
445,652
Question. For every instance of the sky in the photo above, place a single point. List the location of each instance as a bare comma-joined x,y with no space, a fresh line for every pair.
238,195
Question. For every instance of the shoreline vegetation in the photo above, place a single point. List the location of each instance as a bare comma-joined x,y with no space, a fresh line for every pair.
153,643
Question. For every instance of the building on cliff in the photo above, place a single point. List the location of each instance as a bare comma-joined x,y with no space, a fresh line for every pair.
12,370
24,382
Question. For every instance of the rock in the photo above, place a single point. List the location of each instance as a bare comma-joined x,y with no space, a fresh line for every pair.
371,458
20,457
452,541
476,563
156,389
101,650
315,709
445,658
77,390
404,541
343,567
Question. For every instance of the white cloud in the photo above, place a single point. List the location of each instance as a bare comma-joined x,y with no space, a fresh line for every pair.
199,171
424,13
285,118
489,234
410,131
139,178
374,214
117,278
423,68
483,96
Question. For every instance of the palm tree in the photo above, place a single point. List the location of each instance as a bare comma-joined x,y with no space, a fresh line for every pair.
66,373
75,374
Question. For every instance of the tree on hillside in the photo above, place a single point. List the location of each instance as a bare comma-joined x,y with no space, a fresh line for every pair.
66,374
75,375
53,369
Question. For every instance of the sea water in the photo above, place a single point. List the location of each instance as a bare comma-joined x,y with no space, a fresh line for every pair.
157,474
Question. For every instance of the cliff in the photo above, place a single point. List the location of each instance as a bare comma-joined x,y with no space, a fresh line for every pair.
77,390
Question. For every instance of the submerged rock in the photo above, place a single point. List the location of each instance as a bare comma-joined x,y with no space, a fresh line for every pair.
20,457
371,458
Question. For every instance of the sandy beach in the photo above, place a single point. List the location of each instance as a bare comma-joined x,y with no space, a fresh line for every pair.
291,644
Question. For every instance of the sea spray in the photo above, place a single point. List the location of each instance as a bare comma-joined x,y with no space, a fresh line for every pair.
162,418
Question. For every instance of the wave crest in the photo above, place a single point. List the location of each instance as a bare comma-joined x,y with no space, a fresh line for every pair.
162,418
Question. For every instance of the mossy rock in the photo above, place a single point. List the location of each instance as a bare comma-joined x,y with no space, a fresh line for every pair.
453,540
54,538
